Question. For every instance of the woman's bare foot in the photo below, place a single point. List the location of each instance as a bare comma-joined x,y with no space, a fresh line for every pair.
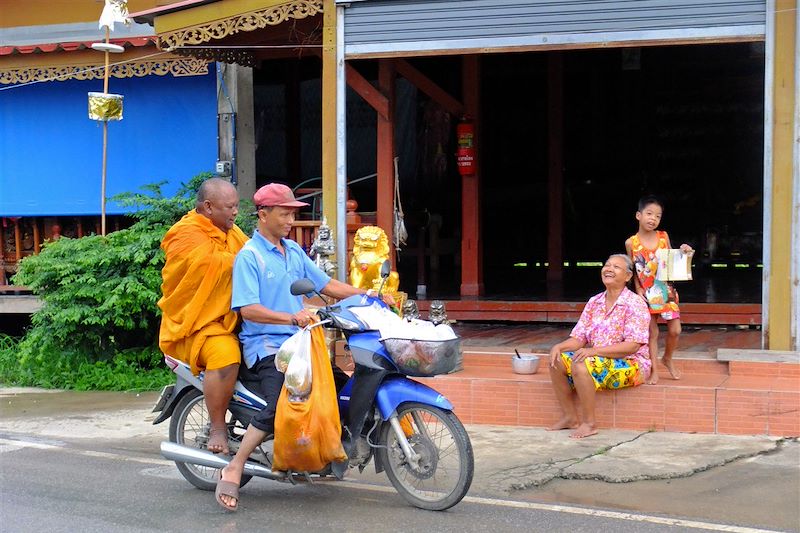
566,422
671,367
218,440
584,430
653,377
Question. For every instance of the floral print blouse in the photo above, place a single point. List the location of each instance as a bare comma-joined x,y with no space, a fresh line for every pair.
628,320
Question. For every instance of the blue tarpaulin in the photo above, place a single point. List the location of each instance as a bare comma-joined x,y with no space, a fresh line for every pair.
51,153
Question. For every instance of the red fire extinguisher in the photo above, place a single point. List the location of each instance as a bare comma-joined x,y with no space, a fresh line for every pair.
465,154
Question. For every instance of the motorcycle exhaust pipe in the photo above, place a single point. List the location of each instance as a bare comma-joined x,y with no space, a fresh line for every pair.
187,454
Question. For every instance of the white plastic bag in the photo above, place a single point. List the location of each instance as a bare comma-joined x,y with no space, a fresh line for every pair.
298,373
294,360
289,347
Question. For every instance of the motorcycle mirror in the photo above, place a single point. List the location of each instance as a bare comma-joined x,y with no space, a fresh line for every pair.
302,286
386,269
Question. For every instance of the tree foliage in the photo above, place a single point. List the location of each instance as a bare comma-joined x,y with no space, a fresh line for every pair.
100,293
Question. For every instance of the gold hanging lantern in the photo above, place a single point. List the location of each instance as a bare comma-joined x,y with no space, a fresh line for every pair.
105,107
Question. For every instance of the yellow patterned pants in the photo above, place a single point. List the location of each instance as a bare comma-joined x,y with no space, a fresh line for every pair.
606,372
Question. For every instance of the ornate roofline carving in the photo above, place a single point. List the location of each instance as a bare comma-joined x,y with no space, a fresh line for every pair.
254,20
176,66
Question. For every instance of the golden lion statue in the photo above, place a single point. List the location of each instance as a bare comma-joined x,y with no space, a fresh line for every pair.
370,250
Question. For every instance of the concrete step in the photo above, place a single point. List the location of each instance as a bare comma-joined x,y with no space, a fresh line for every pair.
712,396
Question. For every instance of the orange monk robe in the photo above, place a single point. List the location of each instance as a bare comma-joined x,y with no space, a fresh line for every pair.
196,288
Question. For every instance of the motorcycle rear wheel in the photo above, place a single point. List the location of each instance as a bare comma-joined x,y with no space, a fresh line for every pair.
189,426
445,470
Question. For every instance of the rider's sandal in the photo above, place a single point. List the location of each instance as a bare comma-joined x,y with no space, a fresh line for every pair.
227,488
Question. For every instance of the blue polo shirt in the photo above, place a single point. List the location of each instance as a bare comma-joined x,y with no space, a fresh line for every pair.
263,275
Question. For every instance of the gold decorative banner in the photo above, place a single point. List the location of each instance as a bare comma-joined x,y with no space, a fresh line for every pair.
186,66
254,20
224,55
104,106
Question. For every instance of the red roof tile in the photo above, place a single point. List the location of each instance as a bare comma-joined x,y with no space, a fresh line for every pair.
73,46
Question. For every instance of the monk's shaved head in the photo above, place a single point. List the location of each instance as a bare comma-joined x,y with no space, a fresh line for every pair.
218,200
213,188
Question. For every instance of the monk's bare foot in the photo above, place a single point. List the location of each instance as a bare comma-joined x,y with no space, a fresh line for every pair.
671,367
584,430
218,440
566,422
653,378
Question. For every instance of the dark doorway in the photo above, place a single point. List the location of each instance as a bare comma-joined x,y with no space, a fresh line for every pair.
682,122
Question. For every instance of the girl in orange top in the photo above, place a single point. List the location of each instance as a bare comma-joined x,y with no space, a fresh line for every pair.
661,297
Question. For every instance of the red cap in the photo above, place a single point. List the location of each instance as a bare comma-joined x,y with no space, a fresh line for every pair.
275,194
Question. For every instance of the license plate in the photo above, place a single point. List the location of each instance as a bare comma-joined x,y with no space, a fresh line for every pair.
166,394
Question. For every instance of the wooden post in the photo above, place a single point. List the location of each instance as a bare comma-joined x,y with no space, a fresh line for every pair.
778,330
17,241
293,134
385,199
329,126
471,246
555,166
37,245
105,147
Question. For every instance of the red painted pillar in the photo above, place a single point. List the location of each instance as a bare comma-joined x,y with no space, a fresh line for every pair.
386,152
471,246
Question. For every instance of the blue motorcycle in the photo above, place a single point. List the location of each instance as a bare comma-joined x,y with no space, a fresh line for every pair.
407,428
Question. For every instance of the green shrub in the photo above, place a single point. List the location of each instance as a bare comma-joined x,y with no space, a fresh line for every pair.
98,327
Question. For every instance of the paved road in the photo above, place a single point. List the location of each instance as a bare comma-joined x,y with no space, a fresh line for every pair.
89,462
54,485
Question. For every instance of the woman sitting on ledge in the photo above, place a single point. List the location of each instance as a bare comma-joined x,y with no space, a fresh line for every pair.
607,348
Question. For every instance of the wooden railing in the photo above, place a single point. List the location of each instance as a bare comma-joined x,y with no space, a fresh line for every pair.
305,231
21,237
24,236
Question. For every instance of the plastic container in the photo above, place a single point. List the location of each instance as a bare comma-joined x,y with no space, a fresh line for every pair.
526,363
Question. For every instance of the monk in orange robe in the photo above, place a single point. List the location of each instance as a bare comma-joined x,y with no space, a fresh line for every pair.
197,324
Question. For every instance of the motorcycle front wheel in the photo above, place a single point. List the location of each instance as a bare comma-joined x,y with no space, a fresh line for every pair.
189,426
443,474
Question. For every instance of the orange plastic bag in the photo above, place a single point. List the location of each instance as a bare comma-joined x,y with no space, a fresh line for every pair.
308,434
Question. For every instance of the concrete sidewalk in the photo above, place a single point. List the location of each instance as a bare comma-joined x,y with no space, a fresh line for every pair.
509,458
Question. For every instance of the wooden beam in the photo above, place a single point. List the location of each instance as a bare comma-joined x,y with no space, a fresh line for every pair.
778,330
293,129
536,47
471,246
367,91
329,126
426,85
386,151
17,241
36,243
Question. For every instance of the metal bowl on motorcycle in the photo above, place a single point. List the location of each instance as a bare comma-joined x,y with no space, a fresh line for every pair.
524,363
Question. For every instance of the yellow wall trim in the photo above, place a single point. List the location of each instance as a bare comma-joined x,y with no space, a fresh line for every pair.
182,66
248,21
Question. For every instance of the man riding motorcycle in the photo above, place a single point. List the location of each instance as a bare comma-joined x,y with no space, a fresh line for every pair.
262,275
